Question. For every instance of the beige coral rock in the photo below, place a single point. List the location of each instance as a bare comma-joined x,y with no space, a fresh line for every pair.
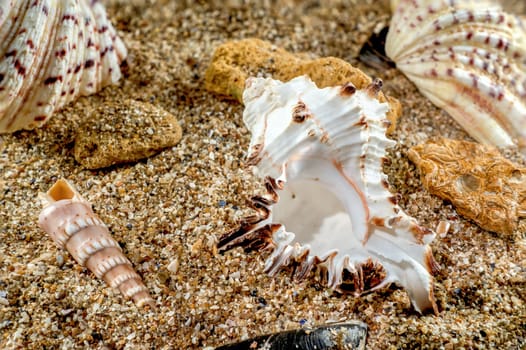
477,179
234,61
125,132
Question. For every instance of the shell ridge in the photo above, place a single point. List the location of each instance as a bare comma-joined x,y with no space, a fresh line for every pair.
17,83
47,65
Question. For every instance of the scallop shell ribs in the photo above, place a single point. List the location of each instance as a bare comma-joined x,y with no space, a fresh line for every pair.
72,224
469,58
51,52
327,204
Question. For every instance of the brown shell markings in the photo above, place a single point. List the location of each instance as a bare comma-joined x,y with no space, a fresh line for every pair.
52,52
477,179
72,224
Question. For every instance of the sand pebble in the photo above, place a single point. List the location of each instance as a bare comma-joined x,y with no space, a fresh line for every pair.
122,132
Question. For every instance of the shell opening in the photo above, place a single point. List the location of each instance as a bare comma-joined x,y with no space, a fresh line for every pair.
313,212
61,190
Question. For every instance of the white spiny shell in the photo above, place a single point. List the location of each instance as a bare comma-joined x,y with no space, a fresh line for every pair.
72,224
321,153
51,52
469,58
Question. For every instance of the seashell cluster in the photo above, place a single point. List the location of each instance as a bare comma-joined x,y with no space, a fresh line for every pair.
327,204
482,185
72,224
469,58
51,52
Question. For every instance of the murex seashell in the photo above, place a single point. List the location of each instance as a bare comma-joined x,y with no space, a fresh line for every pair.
53,51
72,224
469,58
327,205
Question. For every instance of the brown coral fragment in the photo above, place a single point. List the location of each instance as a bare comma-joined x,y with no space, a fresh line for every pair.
125,132
234,61
482,185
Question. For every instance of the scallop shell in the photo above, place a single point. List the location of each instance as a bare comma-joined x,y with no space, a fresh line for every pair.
72,224
53,51
469,58
327,203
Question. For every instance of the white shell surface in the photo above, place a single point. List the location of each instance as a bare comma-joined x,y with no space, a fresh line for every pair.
469,58
51,52
321,152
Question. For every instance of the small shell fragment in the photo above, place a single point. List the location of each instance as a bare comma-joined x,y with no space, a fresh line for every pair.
51,52
345,335
72,224
469,58
481,184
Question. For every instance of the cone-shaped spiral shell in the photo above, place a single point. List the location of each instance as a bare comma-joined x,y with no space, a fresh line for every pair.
51,52
321,153
469,58
72,224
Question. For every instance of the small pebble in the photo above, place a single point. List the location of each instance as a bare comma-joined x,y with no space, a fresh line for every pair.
124,131
173,266
60,259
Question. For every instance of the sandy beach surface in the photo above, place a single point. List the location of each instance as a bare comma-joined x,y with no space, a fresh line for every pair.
167,211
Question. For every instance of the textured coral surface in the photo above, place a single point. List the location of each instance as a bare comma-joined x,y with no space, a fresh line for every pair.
481,184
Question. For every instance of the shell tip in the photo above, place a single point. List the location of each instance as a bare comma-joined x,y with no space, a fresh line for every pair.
61,190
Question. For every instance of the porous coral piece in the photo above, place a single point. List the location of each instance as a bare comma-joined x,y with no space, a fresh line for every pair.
125,132
482,184
234,61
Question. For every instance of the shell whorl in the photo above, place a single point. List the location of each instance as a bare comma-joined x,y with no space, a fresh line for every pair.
72,224
51,52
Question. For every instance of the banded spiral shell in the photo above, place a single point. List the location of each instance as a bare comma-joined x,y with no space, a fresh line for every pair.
469,58
327,203
72,224
51,52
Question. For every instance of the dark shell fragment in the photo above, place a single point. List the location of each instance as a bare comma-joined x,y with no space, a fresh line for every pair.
373,54
349,335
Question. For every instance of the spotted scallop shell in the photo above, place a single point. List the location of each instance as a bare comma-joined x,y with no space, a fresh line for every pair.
72,224
327,203
469,58
51,52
